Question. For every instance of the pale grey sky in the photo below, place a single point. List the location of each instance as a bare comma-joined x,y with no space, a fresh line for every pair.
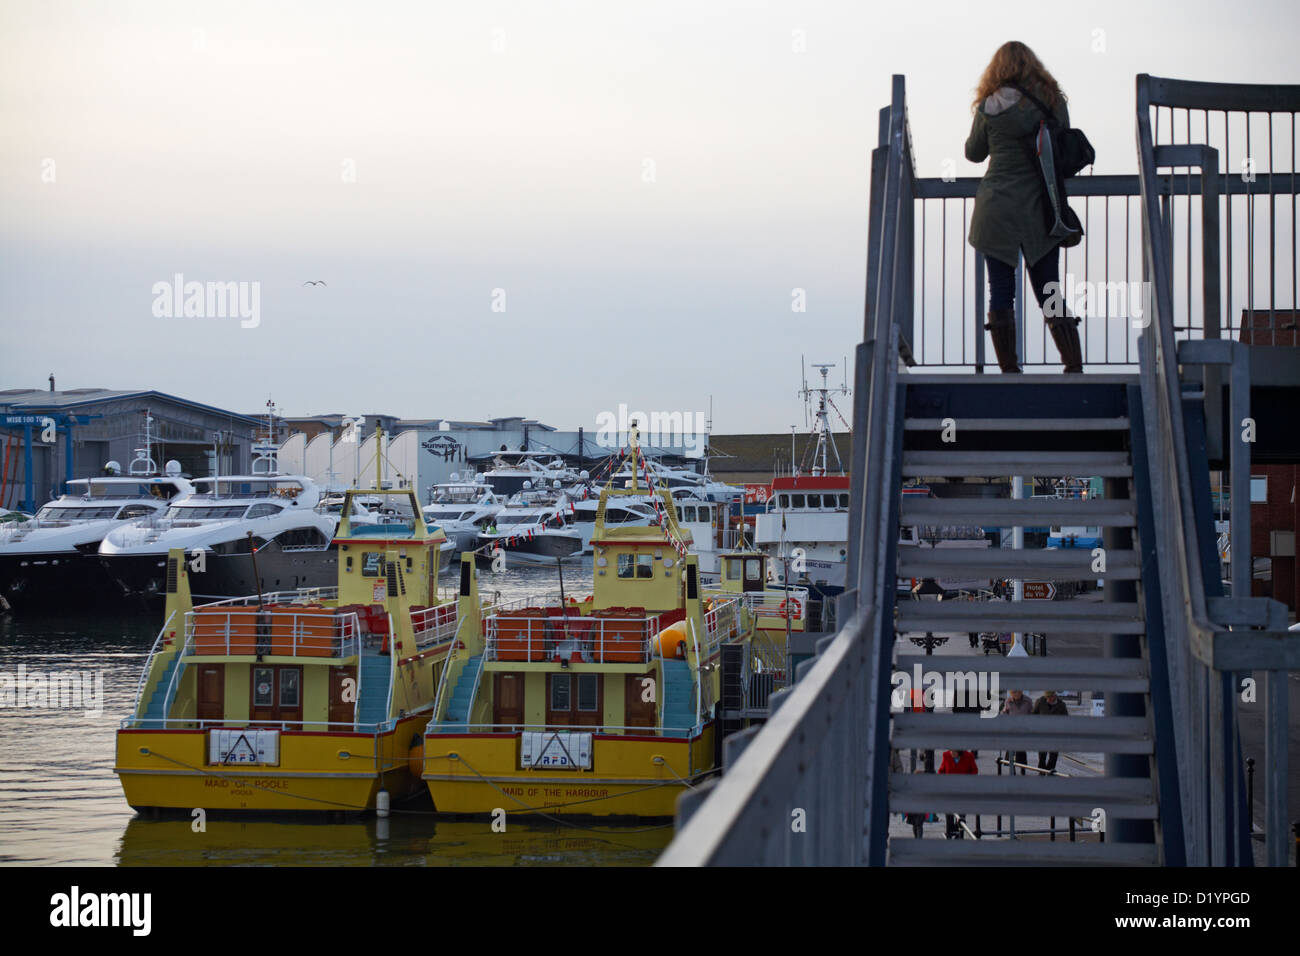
505,146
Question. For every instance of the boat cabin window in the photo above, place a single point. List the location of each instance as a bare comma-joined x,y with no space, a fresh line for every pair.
688,514
636,565
262,510
814,501
796,501
135,511
560,691
588,698
784,502
75,514
844,501
370,562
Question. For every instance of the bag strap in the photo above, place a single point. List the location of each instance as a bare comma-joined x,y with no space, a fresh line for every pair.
1051,117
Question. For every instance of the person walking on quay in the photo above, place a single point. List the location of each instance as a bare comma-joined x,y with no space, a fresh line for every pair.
919,820
1049,703
1017,705
1011,212
956,761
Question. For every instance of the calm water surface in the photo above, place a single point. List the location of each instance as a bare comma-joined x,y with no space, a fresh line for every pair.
60,802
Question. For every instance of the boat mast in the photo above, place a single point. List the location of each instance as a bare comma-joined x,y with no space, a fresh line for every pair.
821,420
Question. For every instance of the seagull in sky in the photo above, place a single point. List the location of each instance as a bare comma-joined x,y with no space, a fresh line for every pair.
314,282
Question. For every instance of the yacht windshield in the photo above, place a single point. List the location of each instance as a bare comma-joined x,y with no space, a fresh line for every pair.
53,513
206,512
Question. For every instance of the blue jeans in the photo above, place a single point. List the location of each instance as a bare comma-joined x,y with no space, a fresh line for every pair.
1002,280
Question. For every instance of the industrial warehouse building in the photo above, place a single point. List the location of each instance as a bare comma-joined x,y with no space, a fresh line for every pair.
92,426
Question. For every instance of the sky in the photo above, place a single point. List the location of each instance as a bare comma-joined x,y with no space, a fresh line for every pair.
520,208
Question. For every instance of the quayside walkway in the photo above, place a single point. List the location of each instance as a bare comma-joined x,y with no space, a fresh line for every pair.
1197,369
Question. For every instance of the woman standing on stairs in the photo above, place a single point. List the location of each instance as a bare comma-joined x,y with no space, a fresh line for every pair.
1011,203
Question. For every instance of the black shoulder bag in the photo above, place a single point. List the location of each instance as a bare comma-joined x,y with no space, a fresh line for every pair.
1059,152
1070,147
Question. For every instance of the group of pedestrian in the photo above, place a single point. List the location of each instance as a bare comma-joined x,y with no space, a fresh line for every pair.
963,761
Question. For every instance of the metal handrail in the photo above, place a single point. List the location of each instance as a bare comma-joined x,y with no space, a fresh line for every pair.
348,627
576,728
438,632
447,663
699,673
148,664
392,671
592,637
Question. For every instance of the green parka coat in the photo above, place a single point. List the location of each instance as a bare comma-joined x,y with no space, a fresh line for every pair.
1011,203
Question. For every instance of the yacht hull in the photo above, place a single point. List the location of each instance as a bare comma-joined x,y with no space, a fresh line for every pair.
61,580
143,576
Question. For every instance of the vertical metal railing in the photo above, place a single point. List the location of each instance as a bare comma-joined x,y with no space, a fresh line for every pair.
1201,675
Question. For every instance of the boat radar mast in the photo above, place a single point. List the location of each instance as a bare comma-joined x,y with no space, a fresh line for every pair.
821,428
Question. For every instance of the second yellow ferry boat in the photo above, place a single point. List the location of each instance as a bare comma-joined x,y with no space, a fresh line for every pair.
607,706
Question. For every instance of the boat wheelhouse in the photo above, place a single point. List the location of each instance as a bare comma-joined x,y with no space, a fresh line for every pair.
312,699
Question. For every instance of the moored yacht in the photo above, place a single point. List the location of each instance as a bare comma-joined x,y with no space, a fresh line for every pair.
241,534
462,509
53,559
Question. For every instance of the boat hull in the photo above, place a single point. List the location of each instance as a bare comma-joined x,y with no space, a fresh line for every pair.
168,769
143,576
624,780
62,580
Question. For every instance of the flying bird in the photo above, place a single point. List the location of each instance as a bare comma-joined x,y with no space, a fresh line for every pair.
314,282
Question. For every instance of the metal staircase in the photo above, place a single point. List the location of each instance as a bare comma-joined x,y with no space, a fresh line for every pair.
1173,641
985,445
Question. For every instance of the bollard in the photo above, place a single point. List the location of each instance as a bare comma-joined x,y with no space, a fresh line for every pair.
381,804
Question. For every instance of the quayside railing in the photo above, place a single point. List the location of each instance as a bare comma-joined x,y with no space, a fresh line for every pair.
824,753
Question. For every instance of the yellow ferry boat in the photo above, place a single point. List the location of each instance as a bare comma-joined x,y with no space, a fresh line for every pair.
301,700
607,706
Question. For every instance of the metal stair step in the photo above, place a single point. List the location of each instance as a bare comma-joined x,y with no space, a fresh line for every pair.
1026,512
1018,424
1040,564
1127,675
1043,616
990,852
1042,732
1001,464
1128,798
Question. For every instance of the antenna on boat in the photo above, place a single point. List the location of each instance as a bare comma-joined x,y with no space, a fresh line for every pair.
821,419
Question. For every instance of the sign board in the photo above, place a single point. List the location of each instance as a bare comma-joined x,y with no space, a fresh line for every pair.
757,494
1039,591
1099,707
555,750
244,747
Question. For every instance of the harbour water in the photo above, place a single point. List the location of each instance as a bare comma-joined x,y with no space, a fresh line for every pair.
61,804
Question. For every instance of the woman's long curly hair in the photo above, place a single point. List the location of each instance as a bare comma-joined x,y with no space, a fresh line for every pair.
1016,63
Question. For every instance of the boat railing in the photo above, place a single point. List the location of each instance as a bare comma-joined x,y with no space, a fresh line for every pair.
293,631
776,601
435,626
572,637
392,677
292,596
720,623
219,723
148,664
599,729
695,643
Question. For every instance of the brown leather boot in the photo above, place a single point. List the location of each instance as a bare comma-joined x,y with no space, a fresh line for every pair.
1002,329
1065,333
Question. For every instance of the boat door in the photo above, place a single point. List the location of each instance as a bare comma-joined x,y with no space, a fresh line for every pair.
343,696
212,692
508,699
